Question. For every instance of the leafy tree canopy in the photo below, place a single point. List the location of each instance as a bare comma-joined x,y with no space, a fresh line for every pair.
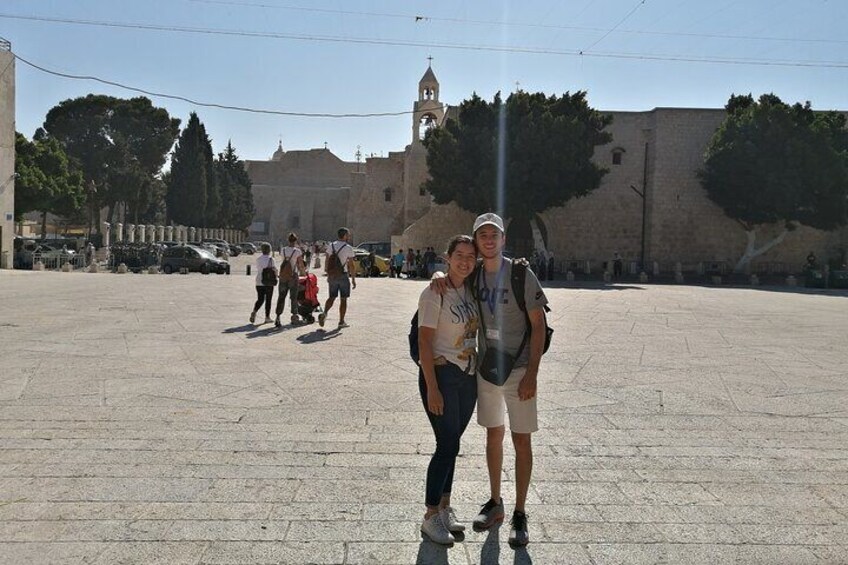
47,180
770,162
548,143
120,145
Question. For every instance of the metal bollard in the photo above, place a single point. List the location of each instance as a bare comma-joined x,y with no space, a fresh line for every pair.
248,270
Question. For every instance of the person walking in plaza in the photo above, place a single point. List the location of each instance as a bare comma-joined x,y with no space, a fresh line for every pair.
397,262
291,266
266,280
341,274
447,345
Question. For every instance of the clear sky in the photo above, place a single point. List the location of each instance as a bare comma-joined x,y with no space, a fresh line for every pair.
366,56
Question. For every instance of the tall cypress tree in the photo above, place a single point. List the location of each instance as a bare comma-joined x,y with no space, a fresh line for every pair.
212,216
235,186
188,184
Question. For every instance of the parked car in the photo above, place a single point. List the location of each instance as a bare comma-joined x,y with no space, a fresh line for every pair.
381,248
380,266
167,243
201,245
235,250
248,247
194,259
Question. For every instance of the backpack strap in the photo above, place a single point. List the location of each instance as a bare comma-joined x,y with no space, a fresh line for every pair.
517,279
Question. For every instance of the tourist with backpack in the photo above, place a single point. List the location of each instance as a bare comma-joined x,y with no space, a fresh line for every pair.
341,274
266,280
290,267
447,357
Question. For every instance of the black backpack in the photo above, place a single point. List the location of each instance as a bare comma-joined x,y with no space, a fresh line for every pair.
269,275
519,274
414,354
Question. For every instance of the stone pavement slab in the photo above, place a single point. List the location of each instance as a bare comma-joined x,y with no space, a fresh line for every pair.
144,420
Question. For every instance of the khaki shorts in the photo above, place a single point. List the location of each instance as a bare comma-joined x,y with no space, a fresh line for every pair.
491,400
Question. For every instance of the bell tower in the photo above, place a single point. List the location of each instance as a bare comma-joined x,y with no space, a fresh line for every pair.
428,111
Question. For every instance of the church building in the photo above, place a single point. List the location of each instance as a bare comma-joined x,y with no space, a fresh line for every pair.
654,153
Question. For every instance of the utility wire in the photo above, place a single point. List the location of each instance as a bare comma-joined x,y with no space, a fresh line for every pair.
613,28
431,45
211,104
424,17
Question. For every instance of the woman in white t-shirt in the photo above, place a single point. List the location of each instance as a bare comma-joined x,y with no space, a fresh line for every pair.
447,343
264,293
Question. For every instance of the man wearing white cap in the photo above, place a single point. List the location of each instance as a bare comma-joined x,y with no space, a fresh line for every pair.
511,345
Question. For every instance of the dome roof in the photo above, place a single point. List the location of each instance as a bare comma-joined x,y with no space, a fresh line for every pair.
278,154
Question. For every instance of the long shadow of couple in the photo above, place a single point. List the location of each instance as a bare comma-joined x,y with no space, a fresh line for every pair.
430,553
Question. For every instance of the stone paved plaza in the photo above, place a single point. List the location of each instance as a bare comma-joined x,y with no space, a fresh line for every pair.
142,420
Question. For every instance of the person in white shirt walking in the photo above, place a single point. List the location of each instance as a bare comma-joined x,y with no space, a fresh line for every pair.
341,274
264,286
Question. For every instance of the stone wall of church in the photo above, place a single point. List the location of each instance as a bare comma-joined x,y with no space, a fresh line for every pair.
415,173
314,214
373,214
683,224
435,228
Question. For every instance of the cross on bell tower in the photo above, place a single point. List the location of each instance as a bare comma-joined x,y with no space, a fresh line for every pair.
428,111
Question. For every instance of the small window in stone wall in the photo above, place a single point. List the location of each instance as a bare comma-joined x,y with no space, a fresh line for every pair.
422,191
617,156
387,194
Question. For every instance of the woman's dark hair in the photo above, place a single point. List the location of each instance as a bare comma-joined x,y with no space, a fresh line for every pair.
457,239
292,237
266,248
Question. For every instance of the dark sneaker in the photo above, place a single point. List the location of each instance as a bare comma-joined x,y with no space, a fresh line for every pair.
518,534
278,323
252,317
321,318
491,513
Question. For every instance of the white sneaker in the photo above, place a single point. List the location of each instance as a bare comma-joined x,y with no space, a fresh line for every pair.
435,529
450,521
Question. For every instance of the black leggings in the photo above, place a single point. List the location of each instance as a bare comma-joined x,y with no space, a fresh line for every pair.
459,393
264,294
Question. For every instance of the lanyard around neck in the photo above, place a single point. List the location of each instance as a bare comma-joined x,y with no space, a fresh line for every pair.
490,299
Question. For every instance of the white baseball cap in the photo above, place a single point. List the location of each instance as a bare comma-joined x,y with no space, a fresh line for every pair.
488,218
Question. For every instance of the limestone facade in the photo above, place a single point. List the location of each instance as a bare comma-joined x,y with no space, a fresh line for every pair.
659,151
7,154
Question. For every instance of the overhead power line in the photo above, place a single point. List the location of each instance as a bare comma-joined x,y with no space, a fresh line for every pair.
498,23
435,45
613,28
211,104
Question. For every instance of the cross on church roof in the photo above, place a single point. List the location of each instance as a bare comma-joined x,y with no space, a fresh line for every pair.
430,61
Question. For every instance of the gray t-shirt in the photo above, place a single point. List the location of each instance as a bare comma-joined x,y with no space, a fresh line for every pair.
503,320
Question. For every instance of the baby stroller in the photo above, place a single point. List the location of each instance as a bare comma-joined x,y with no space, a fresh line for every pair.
307,297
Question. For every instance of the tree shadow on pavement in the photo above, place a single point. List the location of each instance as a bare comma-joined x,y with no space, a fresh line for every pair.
318,336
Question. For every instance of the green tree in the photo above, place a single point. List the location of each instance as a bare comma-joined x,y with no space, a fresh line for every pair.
120,145
771,163
193,197
47,180
236,196
521,157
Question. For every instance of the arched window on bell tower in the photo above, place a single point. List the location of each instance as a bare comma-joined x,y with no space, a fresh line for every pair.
426,123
